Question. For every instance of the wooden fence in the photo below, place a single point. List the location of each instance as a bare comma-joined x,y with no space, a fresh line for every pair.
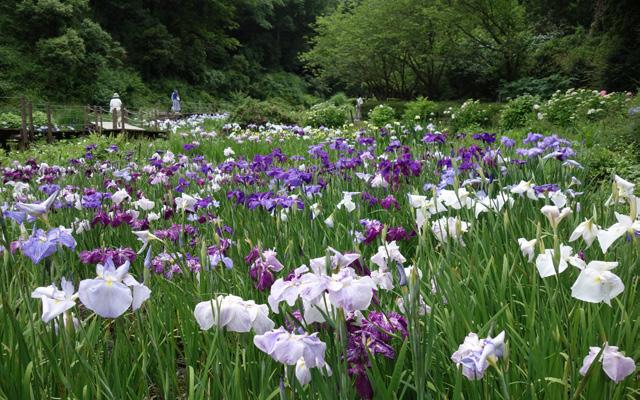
64,121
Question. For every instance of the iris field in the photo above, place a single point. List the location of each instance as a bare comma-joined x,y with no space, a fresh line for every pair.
278,262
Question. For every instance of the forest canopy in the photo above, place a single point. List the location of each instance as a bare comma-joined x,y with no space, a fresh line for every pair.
84,50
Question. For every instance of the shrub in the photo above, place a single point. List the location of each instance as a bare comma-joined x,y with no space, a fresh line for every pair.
382,115
339,99
252,111
565,108
602,162
471,115
397,105
14,121
10,120
542,87
420,107
326,114
517,111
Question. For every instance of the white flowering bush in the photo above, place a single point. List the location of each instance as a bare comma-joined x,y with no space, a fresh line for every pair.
420,109
470,115
381,115
564,108
326,114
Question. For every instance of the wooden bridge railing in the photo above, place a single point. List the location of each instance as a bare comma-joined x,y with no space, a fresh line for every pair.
78,119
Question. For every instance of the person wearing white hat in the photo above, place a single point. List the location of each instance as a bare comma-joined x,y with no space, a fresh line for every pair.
116,105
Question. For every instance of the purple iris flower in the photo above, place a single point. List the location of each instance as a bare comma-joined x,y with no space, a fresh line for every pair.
389,202
367,197
119,256
18,216
262,275
101,218
92,200
166,264
507,142
373,228
217,255
365,141
533,138
485,137
182,185
312,189
43,244
434,138
371,337
398,233
444,162
49,189
189,146
253,255
447,178
545,188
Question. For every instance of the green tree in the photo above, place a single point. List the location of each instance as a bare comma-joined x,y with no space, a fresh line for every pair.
496,32
388,49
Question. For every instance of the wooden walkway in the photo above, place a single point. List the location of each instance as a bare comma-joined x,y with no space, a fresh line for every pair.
67,121
95,119
108,126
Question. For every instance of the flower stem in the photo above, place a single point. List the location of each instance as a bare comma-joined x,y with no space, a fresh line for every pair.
503,384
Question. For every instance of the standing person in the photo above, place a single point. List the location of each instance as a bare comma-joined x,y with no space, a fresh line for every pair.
175,101
359,103
115,105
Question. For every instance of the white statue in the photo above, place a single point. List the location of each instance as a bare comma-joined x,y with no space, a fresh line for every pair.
359,103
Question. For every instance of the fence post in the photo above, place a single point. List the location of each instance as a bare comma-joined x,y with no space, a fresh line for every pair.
49,127
95,115
124,119
155,118
85,121
99,111
31,130
24,140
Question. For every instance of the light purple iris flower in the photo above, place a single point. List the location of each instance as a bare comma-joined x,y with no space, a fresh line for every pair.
18,216
43,244
614,363
218,257
349,291
113,291
304,351
474,354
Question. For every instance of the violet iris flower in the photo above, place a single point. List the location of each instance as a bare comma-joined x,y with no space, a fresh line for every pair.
614,363
43,244
263,267
474,355
371,336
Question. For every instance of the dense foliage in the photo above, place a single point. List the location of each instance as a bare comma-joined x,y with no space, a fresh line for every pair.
479,48
84,50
